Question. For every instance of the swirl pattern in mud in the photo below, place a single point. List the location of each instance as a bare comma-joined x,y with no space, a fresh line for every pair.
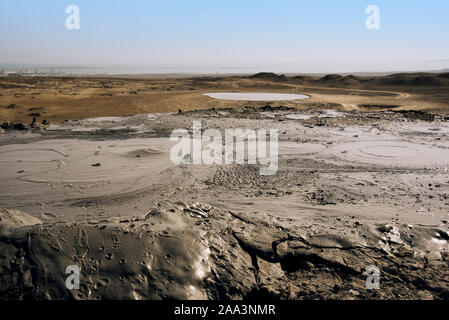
52,171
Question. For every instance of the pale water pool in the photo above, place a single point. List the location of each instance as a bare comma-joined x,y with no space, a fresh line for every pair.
256,96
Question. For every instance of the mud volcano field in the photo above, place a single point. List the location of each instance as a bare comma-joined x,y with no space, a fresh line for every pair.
362,181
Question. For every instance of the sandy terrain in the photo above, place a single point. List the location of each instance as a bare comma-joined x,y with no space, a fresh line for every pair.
360,183
59,99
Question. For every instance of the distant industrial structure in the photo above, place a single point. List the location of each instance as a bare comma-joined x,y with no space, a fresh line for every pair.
35,73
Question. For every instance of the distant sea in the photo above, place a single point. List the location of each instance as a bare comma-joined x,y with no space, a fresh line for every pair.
432,66
118,70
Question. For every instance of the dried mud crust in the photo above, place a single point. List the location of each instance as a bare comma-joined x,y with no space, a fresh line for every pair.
226,232
196,251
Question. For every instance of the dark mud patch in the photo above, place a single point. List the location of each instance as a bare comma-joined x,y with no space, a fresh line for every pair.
194,251
417,115
378,107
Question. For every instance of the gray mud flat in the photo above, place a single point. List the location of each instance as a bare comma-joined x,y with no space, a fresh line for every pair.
353,190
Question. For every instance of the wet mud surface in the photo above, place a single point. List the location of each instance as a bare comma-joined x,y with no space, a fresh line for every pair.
353,190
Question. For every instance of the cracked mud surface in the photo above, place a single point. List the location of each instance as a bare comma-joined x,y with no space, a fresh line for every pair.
353,190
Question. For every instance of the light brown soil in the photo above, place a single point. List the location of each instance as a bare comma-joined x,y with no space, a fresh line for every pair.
59,99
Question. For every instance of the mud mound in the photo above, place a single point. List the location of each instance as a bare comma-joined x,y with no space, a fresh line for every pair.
171,253
144,152
428,81
336,79
412,79
331,77
195,251
300,78
268,76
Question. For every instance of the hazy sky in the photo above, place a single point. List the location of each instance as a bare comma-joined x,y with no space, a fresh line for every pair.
276,35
